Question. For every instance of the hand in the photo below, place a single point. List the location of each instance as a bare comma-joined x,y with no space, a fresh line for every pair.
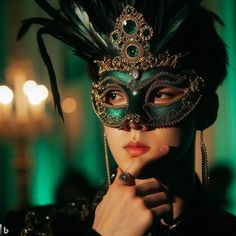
130,210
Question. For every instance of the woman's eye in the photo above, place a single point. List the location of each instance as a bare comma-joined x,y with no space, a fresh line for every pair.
115,98
165,95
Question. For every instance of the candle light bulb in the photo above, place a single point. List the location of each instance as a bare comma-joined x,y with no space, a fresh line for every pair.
28,86
43,90
6,95
35,97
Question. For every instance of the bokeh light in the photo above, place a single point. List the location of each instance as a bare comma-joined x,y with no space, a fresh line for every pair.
69,105
6,95
35,93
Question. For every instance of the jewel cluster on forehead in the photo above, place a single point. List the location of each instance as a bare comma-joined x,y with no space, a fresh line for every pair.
130,38
131,35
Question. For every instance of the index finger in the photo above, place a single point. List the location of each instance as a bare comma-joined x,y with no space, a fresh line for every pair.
137,164
118,172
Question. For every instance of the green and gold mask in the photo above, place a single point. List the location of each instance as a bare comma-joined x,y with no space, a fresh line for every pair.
138,87
160,97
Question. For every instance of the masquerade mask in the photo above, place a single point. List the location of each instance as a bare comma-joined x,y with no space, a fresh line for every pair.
135,87
160,98
129,55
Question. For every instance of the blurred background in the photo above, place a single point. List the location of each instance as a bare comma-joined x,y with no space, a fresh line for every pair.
42,159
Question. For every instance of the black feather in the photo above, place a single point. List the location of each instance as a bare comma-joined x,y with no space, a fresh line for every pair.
24,28
48,63
179,13
51,11
215,17
27,23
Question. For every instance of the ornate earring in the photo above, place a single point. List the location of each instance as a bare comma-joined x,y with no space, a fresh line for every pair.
205,177
107,160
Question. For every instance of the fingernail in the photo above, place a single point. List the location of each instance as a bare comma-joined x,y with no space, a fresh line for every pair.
164,149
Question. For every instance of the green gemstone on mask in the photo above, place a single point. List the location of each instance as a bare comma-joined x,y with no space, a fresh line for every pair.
130,27
146,32
132,51
115,37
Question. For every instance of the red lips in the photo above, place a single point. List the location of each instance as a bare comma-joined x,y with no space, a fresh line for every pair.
136,148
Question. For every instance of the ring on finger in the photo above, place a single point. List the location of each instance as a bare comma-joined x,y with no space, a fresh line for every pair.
126,178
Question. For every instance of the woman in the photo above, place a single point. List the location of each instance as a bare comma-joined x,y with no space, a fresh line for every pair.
156,66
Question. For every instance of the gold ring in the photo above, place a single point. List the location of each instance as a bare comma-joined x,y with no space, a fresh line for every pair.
126,178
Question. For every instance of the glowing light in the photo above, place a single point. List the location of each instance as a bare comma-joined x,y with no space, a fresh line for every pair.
35,93
6,95
35,97
43,90
69,105
28,86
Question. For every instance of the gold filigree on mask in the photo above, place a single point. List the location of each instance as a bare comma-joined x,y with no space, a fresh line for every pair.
130,38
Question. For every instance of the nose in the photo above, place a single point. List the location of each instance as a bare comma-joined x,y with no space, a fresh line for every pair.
134,121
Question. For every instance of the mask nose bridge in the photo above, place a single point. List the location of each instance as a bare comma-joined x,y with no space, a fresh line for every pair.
137,102
136,115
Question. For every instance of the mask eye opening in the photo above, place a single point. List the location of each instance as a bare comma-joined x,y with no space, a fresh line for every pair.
164,95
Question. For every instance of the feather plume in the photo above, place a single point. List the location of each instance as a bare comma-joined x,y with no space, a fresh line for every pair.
179,14
52,12
52,76
85,26
86,31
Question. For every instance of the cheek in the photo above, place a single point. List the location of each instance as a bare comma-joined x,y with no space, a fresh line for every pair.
113,143
116,140
181,138
169,136
177,137
164,136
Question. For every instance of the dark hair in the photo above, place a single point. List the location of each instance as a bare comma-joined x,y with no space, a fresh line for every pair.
207,52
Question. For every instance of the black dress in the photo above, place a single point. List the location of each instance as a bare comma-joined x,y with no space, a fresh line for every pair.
75,219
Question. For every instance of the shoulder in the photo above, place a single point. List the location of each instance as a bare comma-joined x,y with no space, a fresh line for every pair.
225,218
221,222
204,217
72,218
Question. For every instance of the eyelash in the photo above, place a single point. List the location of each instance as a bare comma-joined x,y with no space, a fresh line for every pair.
163,95
108,97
